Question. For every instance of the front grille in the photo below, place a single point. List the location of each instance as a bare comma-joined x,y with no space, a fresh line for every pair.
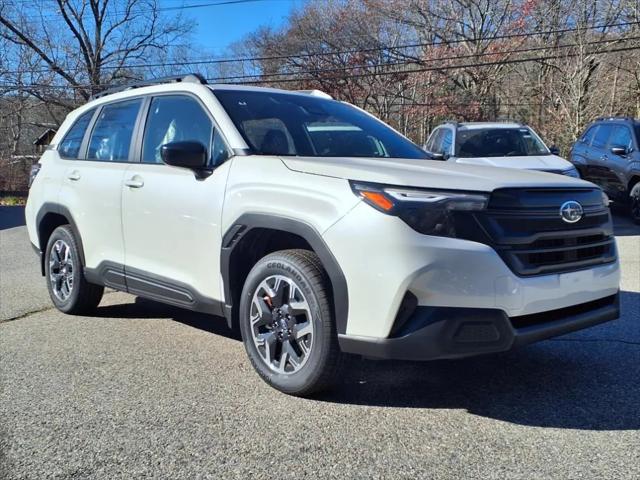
525,228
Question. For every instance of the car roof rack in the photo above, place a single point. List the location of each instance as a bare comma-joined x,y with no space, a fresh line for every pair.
184,78
602,119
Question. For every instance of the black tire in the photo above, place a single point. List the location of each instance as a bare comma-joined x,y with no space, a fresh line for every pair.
321,366
634,203
83,297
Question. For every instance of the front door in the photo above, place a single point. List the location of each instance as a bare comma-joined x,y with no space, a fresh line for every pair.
171,216
614,169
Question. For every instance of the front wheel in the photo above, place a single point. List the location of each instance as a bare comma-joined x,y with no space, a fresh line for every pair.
287,323
634,203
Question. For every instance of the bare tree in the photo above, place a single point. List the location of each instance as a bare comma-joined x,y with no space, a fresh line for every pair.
85,45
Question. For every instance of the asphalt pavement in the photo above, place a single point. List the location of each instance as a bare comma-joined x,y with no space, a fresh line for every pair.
145,390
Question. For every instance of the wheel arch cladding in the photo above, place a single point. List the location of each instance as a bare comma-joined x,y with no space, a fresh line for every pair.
49,217
242,234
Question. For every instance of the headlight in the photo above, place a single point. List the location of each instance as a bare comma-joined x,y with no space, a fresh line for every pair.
571,172
431,212
605,199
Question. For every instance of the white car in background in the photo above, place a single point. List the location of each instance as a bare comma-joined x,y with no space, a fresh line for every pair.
509,145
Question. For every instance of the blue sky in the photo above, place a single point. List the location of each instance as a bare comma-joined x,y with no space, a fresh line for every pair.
220,26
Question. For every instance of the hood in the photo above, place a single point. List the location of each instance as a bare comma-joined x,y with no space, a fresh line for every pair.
428,173
533,162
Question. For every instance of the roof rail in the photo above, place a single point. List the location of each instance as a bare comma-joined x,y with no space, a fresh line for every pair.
602,119
316,93
185,78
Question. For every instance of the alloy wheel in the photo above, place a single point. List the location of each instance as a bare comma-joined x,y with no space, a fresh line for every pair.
61,270
282,326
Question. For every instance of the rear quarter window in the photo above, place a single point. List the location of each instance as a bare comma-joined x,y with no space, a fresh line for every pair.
70,146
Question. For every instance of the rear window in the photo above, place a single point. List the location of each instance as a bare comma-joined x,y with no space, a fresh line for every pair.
498,142
70,145
274,123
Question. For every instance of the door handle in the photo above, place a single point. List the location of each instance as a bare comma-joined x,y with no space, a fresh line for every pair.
74,176
134,182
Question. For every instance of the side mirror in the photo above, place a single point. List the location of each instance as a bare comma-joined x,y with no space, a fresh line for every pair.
620,151
554,150
192,155
436,156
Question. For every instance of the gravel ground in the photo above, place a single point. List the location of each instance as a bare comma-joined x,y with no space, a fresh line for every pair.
145,390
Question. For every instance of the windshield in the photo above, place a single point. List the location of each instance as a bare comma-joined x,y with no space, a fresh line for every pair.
498,142
303,125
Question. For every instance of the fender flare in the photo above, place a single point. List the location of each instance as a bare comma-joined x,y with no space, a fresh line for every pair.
249,221
50,207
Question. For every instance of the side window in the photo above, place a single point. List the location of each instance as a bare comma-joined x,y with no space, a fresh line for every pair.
446,142
433,144
70,145
111,137
601,136
621,137
219,151
588,135
429,142
178,118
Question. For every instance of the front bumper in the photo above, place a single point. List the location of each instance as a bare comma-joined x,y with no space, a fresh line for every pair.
431,333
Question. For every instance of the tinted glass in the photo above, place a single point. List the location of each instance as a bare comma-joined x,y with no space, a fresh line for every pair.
620,137
292,124
70,146
111,136
588,135
601,136
498,142
175,118
446,141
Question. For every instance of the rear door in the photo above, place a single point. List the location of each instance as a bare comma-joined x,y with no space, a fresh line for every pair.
171,216
92,185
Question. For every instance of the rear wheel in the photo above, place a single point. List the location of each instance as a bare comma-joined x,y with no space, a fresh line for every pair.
287,323
69,290
634,203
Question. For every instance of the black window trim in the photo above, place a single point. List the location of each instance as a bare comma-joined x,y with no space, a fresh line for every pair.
183,93
84,135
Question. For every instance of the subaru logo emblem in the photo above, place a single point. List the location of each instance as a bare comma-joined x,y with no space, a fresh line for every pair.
571,211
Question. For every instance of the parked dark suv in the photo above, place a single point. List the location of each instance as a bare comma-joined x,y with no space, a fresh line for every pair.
608,155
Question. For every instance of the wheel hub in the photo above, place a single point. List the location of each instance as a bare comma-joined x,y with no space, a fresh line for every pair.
61,270
282,327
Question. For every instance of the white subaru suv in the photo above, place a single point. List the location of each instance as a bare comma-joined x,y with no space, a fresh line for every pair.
501,144
313,227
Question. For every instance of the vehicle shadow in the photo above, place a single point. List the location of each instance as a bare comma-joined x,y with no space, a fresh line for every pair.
11,217
589,380
143,308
